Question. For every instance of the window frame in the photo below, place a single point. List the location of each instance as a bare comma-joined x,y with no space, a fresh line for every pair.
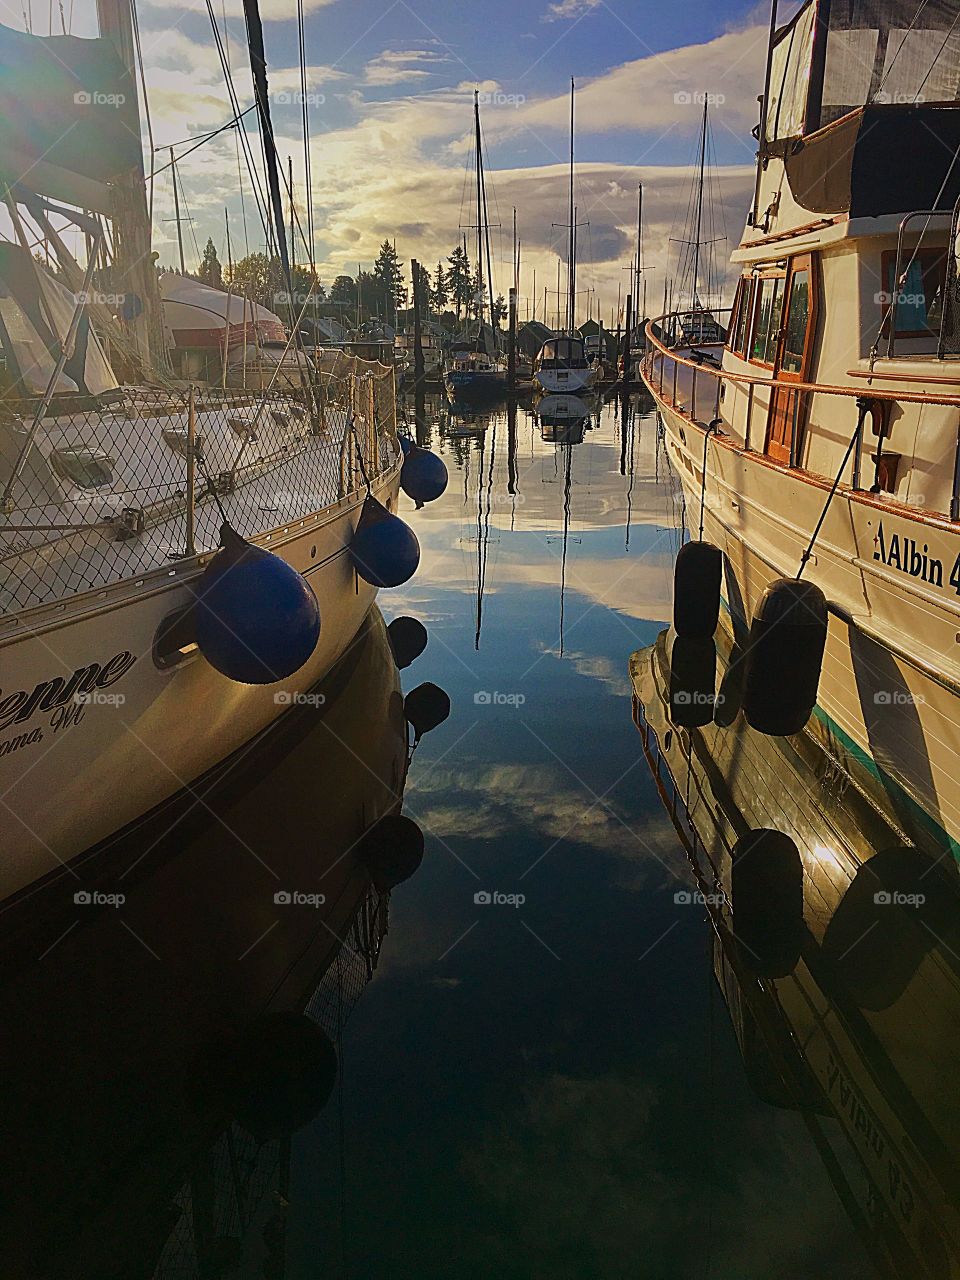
888,258
773,273
742,309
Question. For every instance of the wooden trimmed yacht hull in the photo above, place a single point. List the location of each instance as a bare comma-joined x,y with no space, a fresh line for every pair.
888,702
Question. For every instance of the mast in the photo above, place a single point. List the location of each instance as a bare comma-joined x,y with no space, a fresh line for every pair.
485,227
636,309
258,70
476,118
571,264
696,244
176,211
293,242
133,258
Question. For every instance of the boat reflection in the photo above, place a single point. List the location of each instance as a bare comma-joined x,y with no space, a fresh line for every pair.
836,947
565,419
171,1018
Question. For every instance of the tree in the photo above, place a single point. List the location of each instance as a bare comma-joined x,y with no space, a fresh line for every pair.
344,291
389,276
210,272
499,310
438,293
262,279
458,280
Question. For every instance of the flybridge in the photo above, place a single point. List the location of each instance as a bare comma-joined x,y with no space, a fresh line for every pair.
20,705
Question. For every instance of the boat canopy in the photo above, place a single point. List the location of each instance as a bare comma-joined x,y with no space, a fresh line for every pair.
567,353
35,316
837,55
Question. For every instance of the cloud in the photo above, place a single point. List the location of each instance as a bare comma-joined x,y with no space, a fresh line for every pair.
566,10
398,66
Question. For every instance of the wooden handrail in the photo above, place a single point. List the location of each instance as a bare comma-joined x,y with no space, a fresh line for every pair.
747,379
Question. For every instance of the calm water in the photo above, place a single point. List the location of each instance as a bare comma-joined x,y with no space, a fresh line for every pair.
542,1077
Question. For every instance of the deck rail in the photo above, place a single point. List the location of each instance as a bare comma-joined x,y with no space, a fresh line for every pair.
661,366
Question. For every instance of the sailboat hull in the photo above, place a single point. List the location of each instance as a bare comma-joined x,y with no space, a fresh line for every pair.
73,774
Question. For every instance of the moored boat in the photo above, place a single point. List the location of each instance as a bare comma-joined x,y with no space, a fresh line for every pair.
134,510
819,441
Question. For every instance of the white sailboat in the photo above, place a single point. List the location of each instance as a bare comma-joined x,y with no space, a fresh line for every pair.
562,364
114,497
474,370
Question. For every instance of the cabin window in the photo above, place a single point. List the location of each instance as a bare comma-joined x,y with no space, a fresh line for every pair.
795,329
741,317
766,326
920,297
85,468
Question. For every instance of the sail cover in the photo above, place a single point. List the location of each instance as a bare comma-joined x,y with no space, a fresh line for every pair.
35,315
68,117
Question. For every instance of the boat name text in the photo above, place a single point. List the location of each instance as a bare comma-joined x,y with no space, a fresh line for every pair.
56,692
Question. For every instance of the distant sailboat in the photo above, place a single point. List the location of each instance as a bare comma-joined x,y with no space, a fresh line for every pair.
562,363
473,372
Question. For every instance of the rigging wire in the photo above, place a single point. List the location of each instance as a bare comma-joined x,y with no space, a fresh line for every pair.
305,113
906,36
198,141
265,220
146,102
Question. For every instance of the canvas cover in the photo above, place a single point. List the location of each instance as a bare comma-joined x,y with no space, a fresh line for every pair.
68,117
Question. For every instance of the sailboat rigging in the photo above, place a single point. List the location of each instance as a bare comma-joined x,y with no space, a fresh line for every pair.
474,372
562,364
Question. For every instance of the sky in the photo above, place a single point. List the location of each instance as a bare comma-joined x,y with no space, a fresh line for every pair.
390,91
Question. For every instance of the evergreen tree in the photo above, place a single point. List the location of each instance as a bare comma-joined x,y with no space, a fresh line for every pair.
438,293
499,310
210,272
459,283
389,276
